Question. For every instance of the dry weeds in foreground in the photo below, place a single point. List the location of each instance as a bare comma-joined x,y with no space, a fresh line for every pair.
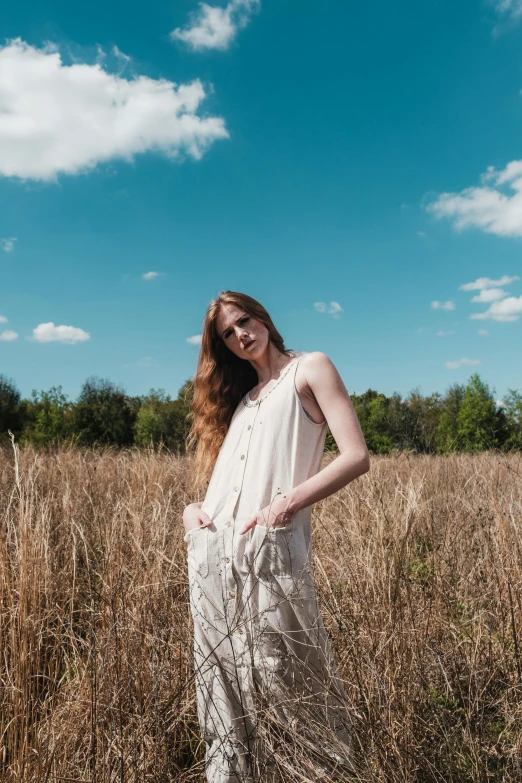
418,566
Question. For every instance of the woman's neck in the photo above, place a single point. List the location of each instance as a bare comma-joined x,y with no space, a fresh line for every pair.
270,365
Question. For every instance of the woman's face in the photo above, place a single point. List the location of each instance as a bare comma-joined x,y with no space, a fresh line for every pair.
243,334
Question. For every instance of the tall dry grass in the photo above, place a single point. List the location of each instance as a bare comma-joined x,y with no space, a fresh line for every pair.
418,566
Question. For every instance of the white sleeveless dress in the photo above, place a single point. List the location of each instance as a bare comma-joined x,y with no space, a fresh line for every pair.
268,692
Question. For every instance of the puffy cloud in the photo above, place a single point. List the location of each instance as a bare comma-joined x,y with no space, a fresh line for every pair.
212,27
489,295
7,243
8,336
486,282
195,339
3,319
488,207
49,333
444,334
509,309
461,363
449,305
59,118
483,332
334,308
503,307
150,275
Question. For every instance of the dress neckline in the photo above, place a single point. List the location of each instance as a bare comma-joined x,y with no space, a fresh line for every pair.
250,403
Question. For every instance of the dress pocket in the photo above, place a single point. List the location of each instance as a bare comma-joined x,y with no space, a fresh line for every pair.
197,540
274,550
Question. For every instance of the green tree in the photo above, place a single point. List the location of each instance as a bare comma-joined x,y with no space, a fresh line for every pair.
147,429
446,436
181,416
479,425
513,414
163,420
401,424
103,414
372,411
10,410
425,412
47,417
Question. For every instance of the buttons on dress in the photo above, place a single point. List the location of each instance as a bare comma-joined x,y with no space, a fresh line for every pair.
236,489
227,560
242,456
249,427
229,523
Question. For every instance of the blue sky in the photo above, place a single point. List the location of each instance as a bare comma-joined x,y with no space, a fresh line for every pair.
365,155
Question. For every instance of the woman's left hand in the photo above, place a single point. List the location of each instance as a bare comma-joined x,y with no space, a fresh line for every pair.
276,514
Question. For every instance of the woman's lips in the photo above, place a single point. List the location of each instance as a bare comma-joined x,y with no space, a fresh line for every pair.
249,344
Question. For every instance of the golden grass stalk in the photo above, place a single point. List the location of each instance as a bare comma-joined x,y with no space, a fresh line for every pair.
418,567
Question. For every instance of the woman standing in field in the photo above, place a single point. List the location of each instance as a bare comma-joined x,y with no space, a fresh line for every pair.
270,702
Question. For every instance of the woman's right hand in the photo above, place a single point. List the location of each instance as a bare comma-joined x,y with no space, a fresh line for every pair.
194,517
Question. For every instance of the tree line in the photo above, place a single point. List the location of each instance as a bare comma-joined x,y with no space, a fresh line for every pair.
465,418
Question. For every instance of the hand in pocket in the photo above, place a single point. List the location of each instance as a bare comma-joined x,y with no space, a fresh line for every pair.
277,514
194,517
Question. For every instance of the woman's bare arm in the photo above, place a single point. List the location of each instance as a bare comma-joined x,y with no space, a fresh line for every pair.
354,459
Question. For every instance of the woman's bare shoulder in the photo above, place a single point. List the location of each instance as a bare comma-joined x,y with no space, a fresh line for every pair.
317,361
319,373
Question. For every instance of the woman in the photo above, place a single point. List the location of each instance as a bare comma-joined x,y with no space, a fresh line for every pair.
270,702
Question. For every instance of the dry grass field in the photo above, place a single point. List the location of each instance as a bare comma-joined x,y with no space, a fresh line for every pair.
418,566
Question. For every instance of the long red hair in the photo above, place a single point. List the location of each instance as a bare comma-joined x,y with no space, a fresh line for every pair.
222,379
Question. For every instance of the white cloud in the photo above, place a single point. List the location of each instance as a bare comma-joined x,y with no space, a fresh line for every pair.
7,336
421,234
334,308
449,305
212,27
150,275
483,332
461,363
488,207
195,339
444,334
49,333
506,310
8,244
3,319
59,118
486,282
489,295
512,8
503,308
